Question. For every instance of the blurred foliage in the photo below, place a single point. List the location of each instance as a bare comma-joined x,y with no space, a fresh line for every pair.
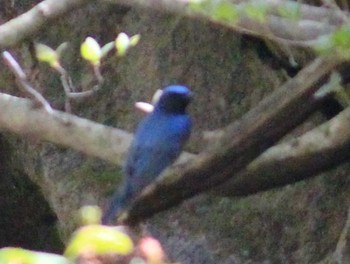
90,50
123,42
10,255
46,54
336,43
99,240
226,11
290,10
219,10
90,215
256,10
91,243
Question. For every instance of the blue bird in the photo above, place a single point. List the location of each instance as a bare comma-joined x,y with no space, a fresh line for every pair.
158,141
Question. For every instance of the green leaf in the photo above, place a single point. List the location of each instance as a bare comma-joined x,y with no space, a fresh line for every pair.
335,44
324,45
226,11
46,54
341,37
18,255
90,50
220,10
290,10
61,48
90,215
134,40
107,48
201,6
122,43
100,240
256,10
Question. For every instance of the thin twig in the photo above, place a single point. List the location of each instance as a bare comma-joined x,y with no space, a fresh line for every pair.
66,83
24,84
69,88
98,75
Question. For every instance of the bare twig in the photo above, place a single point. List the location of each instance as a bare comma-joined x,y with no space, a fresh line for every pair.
98,75
69,88
23,82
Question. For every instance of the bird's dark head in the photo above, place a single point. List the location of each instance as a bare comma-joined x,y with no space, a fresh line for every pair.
174,99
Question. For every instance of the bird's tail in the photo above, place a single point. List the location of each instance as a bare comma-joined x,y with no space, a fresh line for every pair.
119,201
113,208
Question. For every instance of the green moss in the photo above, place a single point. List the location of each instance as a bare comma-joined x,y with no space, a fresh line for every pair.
98,172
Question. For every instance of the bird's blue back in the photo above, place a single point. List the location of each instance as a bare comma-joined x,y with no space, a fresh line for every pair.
158,141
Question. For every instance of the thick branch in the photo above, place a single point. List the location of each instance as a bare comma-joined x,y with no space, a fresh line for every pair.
19,115
317,150
241,143
306,12
313,22
31,22
23,83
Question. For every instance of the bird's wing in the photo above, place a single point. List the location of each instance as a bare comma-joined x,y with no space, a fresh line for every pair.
147,161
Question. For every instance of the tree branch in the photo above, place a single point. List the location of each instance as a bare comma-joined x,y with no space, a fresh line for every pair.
261,127
240,144
29,23
306,11
313,21
317,150
21,78
19,115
